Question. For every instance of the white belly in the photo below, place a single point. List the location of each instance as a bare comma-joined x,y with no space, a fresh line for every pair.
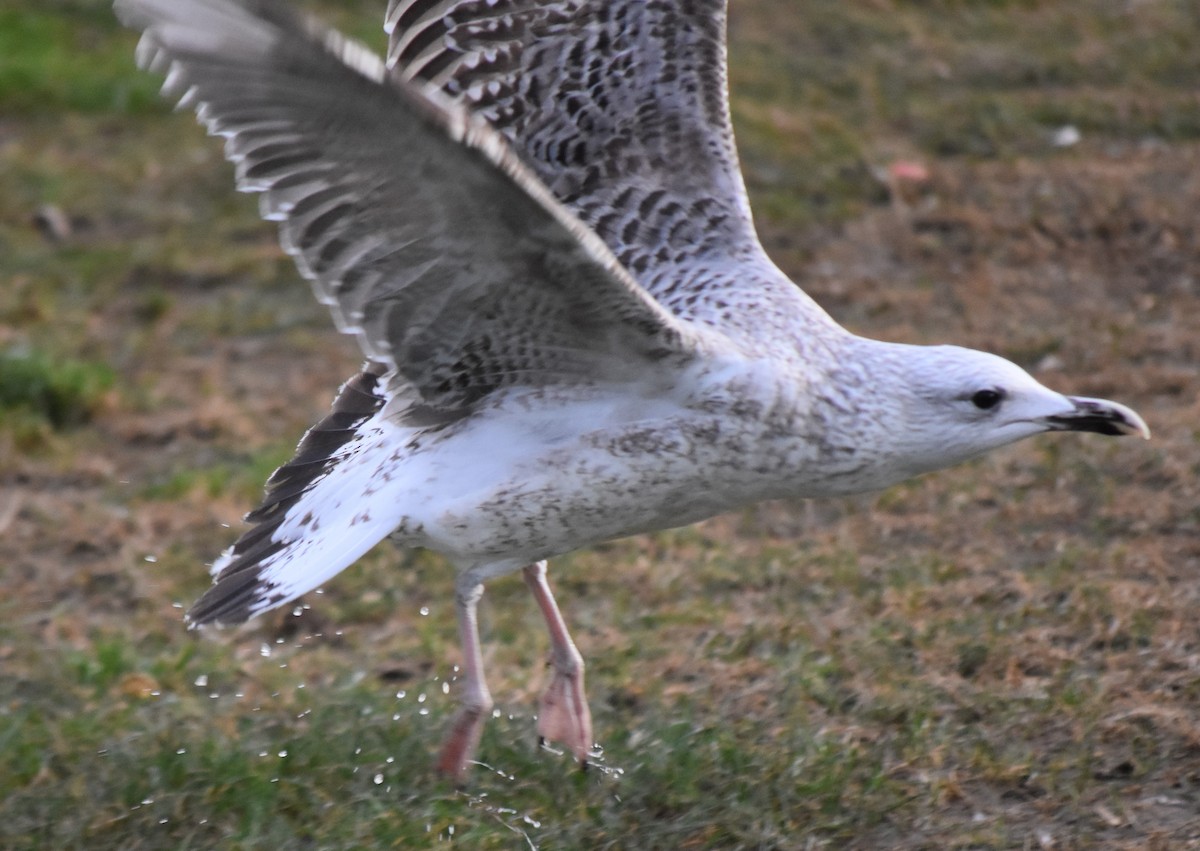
527,487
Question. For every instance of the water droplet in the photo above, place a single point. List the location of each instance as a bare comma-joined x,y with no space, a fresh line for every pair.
378,779
151,559
421,697
1065,137
282,754
424,611
265,650
181,751
400,695
445,688
202,681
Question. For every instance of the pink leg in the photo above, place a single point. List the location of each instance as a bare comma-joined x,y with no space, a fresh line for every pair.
466,728
564,715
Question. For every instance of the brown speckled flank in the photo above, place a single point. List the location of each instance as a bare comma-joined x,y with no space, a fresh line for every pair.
532,219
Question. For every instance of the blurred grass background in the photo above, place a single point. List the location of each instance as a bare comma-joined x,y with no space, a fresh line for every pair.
1000,656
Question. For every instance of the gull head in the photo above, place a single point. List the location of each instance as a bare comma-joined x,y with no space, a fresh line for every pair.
959,403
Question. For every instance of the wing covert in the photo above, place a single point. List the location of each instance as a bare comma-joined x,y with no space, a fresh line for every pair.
621,107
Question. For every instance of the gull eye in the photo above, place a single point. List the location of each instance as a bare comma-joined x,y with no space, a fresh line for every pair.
985,400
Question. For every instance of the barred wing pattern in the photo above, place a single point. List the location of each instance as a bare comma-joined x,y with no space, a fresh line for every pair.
621,107
448,259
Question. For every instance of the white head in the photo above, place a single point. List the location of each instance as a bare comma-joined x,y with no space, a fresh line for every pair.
957,403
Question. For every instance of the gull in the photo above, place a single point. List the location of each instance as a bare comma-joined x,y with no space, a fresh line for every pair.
531,217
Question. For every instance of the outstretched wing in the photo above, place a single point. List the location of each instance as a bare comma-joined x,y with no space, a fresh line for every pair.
446,257
621,107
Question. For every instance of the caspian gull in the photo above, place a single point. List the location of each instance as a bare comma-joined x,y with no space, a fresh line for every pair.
532,219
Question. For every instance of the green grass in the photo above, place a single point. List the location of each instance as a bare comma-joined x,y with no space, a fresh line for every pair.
361,761
970,660
66,55
37,389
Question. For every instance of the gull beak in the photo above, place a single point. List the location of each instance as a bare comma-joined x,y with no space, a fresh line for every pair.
1100,416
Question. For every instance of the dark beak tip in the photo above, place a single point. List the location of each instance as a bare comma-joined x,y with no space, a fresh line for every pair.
1101,416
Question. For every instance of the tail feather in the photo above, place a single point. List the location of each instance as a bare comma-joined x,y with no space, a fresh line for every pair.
313,521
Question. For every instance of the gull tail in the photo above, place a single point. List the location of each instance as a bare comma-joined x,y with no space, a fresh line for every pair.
317,517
